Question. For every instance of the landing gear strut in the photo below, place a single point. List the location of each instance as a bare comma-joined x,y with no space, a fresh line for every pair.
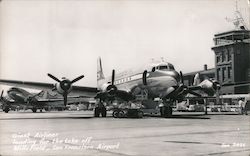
34,110
100,110
6,109
166,111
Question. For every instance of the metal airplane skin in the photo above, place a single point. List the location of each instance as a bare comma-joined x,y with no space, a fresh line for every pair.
158,79
21,97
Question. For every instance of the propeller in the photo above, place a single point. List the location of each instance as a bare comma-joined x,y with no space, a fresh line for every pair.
183,89
194,93
53,77
112,88
77,79
2,95
181,75
113,77
65,85
144,77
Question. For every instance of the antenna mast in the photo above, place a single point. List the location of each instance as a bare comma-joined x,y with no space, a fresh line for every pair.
238,21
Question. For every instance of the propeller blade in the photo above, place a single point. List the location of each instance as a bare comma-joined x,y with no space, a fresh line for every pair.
144,77
182,81
77,79
53,77
65,99
194,93
2,94
113,77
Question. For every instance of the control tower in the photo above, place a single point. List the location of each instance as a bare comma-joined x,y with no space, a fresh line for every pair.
232,57
232,60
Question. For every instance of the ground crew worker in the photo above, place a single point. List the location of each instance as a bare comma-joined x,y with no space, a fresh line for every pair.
241,106
244,107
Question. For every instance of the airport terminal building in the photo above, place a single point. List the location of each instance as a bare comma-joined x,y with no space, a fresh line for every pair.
232,63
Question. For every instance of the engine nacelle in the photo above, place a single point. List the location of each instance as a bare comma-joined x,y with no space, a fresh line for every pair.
209,86
63,87
109,88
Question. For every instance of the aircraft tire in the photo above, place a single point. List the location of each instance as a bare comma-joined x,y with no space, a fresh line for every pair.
6,110
121,114
104,112
96,112
34,110
115,113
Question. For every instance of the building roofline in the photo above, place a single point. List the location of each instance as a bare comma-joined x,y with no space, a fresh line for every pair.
211,70
233,32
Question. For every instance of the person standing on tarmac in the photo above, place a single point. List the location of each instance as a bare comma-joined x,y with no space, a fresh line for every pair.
242,105
240,102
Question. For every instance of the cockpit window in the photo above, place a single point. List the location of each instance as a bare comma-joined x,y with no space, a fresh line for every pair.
163,67
171,67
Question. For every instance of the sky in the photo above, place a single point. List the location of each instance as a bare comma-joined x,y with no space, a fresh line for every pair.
65,37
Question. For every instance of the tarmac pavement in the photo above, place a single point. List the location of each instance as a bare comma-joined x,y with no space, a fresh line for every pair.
79,133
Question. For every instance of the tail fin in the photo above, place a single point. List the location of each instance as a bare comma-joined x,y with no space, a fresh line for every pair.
100,75
197,79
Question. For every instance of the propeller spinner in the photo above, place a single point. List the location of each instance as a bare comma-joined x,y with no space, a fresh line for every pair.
64,86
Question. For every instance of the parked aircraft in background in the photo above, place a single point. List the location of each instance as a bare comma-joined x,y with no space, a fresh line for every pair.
157,80
18,97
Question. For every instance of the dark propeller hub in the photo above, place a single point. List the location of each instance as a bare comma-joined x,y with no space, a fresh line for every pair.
111,89
216,85
65,85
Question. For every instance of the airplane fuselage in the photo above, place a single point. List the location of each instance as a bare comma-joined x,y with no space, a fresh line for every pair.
160,78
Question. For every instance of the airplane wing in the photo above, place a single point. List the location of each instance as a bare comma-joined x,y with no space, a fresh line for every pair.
80,90
27,84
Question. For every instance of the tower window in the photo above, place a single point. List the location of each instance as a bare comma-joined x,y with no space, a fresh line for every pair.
229,56
218,58
229,72
223,56
218,74
223,74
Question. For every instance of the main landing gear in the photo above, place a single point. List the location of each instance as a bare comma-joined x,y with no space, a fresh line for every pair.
34,110
100,110
166,111
131,113
6,109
